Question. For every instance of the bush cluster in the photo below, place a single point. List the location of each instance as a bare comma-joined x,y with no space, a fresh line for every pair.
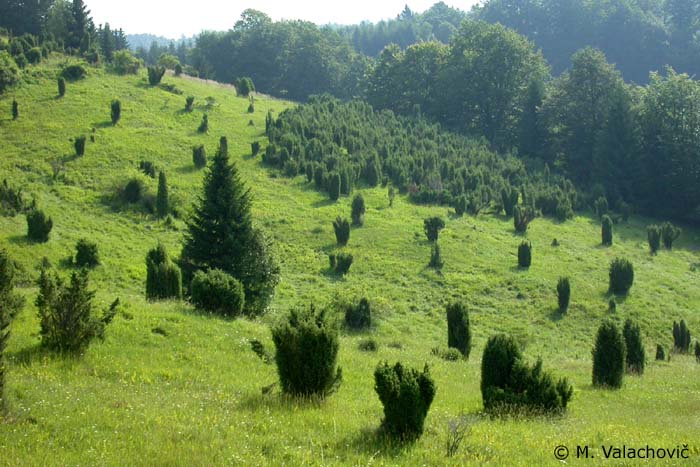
669,234
681,337
73,72
341,227
340,263
163,277
155,74
244,86
621,276
358,316
609,356
654,238
217,292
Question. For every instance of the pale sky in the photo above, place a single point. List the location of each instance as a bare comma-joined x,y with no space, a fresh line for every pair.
173,19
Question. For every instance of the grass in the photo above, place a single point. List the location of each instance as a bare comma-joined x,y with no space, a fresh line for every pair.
171,386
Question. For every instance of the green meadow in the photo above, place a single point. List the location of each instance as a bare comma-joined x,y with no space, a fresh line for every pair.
172,386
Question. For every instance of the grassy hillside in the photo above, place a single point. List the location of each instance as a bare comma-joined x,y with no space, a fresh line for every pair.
170,386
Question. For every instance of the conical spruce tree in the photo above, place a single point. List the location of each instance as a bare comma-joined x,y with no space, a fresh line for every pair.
162,199
221,236
609,356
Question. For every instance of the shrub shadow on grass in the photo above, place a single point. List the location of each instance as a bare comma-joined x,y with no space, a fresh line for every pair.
19,240
556,315
104,124
324,203
187,169
278,402
28,355
375,442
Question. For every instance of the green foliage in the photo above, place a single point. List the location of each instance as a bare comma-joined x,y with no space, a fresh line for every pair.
654,238
563,293
340,263
79,144
255,148
681,337
509,198
163,277
217,292
305,373
358,316
391,193
10,304
341,227
221,235
621,276
697,351
251,108
600,206
11,200
162,198
635,357
204,124
461,205
660,353
38,226
9,72
74,72
148,168
133,191
124,63
199,156
189,103
168,61
507,382
86,254
178,69
525,254
435,257
68,321
406,395
61,86
155,74
244,86
368,345
432,227
334,186
607,230
609,356
358,210
522,216
34,55
15,109
115,111
459,334
669,234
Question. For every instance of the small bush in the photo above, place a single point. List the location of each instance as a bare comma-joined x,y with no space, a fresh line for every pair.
124,63
61,86
669,234
654,238
79,144
34,55
163,277
436,257
86,254
341,227
148,168
563,293
406,395
244,86
607,230
458,331
660,353
116,111
305,373
251,108
636,356
189,103
368,345
681,337
73,72
432,227
133,191
449,354
38,226
522,216
9,72
358,210
509,199
359,316
178,69
217,292
621,276
609,357
15,109
255,148
204,125
68,322
11,200
199,156
525,255
334,186
391,193
340,263
155,74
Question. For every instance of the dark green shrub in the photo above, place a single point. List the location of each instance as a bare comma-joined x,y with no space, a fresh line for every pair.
61,86
199,156
155,74
10,304
636,356
319,176
178,69
449,354
697,351
509,198
624,209
612,306
21,61
392,195
15,109
306,351
621,276
334,186
73,72
563,293
291,168
358,210
368,345
123,63
607,230
38,226
600,206
609,356
406,395
525,255
432,227
669,234
341,227
358,316
79,144
461,204
660,353
148,168
9,72
244,86
204,125
251,108
681,337
507,382
11,200
217,292
162,198
522,216
654,238
340,263
163,277
68,323
133,191
115,111
436,257
189,103
86,254
255,148
34,55
459,334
